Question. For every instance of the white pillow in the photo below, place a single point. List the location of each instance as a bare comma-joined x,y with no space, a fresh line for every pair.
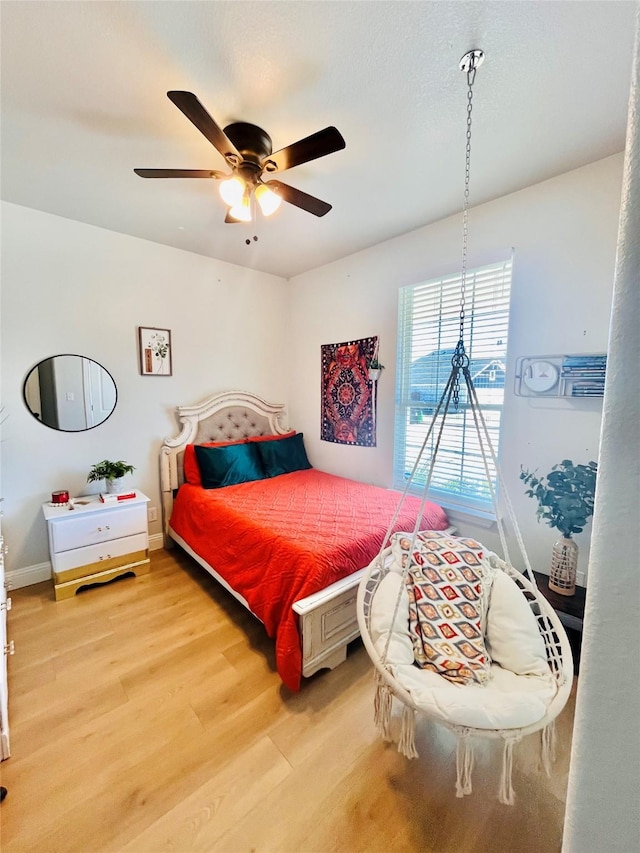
383,606
512,635
507,701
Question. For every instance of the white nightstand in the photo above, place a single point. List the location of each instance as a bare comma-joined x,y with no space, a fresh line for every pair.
96,542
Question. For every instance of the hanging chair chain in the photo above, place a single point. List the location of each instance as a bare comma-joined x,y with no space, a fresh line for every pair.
460,358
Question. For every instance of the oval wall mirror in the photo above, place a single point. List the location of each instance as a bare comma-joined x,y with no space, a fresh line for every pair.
70,393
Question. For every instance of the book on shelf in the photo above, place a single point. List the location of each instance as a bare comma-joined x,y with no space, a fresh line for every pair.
587,389
111,498
585,359
587,366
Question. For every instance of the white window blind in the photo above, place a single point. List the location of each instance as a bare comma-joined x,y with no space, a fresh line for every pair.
428,331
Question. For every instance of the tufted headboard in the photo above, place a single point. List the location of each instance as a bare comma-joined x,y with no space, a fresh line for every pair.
225,417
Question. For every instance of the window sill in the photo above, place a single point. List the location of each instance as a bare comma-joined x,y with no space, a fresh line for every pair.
467,515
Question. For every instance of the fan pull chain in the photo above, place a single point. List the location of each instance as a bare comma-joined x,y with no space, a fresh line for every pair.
460,358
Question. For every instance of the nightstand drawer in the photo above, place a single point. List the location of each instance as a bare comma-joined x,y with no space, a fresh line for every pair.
94,555
91,529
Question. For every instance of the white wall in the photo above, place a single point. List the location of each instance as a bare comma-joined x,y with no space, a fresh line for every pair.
564,235
74,288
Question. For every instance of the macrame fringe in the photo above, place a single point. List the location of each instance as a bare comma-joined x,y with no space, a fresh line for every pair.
382,704
464,764
548,746
506,793
407,742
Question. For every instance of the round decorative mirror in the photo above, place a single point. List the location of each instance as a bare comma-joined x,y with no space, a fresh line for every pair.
70,393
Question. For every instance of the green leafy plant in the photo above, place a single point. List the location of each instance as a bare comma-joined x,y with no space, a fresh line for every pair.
106,470
374,364
565,496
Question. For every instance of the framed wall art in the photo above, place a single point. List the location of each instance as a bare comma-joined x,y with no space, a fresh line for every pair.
155,351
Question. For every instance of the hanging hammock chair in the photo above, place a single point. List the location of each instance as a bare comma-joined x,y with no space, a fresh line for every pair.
455,632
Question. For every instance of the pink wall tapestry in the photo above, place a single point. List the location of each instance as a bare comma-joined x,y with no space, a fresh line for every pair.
348,395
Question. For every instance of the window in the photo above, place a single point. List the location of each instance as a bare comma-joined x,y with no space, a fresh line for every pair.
428,331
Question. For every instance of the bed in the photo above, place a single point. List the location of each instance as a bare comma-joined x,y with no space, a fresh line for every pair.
291,548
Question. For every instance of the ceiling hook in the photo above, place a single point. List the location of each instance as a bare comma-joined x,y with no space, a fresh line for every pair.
470,63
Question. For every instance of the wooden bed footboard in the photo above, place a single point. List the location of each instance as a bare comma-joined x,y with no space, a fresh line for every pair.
328,623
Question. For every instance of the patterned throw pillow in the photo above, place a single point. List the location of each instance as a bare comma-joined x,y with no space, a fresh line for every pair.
448,585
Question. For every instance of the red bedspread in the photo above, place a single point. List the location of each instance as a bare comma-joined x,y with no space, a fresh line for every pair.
281,539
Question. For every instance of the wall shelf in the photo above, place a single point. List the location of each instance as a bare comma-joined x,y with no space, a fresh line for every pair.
579,376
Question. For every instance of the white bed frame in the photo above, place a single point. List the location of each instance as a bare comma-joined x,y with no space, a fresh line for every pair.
327,619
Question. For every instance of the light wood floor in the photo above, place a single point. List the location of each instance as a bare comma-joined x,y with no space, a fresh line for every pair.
147,715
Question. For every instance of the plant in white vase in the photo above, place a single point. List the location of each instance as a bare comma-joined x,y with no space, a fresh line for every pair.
565,501
111,472
375,368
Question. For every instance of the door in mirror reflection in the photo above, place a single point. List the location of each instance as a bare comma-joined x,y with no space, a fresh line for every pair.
70,393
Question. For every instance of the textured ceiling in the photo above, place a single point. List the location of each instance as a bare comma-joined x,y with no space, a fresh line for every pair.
83,100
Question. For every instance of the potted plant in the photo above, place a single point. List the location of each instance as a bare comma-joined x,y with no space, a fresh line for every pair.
112,472
565,501
375,368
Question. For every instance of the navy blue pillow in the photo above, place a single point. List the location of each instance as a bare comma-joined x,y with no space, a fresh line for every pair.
228,466
283,456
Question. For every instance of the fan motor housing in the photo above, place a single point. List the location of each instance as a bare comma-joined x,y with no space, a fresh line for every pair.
252,141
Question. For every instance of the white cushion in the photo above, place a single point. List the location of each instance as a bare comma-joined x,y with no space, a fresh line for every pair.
512,635
382,609
506,701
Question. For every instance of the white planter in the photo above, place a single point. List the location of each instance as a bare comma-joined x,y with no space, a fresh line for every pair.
114,487
374,373
564,567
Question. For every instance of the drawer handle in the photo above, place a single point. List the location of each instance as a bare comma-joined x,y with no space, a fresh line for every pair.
10,648
6,605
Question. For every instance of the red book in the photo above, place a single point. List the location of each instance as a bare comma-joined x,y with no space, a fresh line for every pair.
111,498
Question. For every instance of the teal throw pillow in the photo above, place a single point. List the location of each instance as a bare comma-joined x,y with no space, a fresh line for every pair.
284,455
228,466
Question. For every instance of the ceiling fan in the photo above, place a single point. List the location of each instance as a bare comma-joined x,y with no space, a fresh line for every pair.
247,150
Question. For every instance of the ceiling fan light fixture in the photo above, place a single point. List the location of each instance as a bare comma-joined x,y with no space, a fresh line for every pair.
242,210
248,152
268,200
232,191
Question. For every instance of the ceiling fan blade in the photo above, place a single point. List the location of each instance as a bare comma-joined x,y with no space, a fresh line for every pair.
317,145
196,113
302,200
180,173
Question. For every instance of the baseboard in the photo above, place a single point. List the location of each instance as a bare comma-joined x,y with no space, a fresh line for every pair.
156,542
28,575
